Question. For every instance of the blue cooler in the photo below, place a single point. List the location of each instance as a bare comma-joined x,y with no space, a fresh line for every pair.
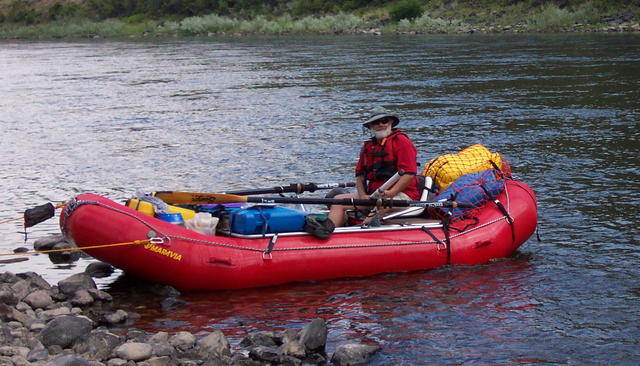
266,219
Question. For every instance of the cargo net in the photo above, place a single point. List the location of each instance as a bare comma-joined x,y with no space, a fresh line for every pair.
472,176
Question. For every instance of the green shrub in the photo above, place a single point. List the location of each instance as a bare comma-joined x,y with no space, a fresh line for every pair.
405,9
208,23
137,18
59,11
589,12
328,24
27,16
551,19
427,24
304,7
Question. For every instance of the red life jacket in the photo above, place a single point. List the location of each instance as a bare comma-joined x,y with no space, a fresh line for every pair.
380,162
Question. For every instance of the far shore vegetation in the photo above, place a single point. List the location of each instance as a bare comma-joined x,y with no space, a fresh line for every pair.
47,19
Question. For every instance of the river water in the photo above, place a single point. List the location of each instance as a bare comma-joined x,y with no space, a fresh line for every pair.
215,114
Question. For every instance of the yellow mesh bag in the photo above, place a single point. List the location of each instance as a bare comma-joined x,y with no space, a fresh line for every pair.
447,168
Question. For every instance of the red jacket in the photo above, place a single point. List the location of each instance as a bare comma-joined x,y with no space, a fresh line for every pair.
380,160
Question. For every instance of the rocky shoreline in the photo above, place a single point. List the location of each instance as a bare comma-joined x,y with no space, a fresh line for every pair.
73,323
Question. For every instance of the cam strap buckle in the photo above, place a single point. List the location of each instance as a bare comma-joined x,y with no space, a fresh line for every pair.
435,238
272,242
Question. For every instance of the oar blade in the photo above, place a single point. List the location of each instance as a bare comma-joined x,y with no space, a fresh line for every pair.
198,198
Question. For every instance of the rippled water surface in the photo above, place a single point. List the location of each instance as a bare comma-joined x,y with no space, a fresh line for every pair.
221,113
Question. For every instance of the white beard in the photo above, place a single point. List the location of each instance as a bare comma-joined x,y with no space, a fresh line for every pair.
382,133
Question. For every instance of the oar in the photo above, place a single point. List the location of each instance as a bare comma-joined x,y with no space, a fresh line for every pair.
386,185
191,198
298,188
291,188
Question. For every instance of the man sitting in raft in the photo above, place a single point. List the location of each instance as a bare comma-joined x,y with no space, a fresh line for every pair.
388,151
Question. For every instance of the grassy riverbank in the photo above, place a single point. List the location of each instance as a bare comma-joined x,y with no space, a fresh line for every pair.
44,19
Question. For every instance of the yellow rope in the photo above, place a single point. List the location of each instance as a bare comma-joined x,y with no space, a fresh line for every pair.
135,242
9,220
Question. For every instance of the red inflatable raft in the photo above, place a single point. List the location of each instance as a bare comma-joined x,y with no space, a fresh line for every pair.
191,261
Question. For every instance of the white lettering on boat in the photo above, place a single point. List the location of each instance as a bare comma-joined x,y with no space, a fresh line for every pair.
166,252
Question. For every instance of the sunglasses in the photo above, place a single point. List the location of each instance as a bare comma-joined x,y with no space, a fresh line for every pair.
380,121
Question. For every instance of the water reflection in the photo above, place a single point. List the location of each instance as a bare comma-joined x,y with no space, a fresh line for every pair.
390,309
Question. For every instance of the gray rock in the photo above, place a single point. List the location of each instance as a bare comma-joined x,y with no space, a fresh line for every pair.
293,348
54,349
182,340
16,315
215,344
39,299
82,297
20,361
68,360
48,242
164,290
13,351
353,354
171,304
99,344
314,335
36,326
6,361
189,363
267,339
285,360
8,277
137,335
65,331
116,317
23,307
99,295
99,269
64,256
37,354
262,353
5,310
239,359
117,362
35,280
21,289
50,314
159,337
163,348
134,351
8,297
78,281
159,361
5,334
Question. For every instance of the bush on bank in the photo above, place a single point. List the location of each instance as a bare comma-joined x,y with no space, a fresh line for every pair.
118,18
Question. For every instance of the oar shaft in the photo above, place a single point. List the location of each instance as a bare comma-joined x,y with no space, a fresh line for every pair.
292,188
352,202
388,184
190,198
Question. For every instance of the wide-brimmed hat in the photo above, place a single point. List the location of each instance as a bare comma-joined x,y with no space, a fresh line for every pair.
379,113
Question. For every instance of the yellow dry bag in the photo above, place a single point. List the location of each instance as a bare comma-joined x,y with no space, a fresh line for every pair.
447,168
147,208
